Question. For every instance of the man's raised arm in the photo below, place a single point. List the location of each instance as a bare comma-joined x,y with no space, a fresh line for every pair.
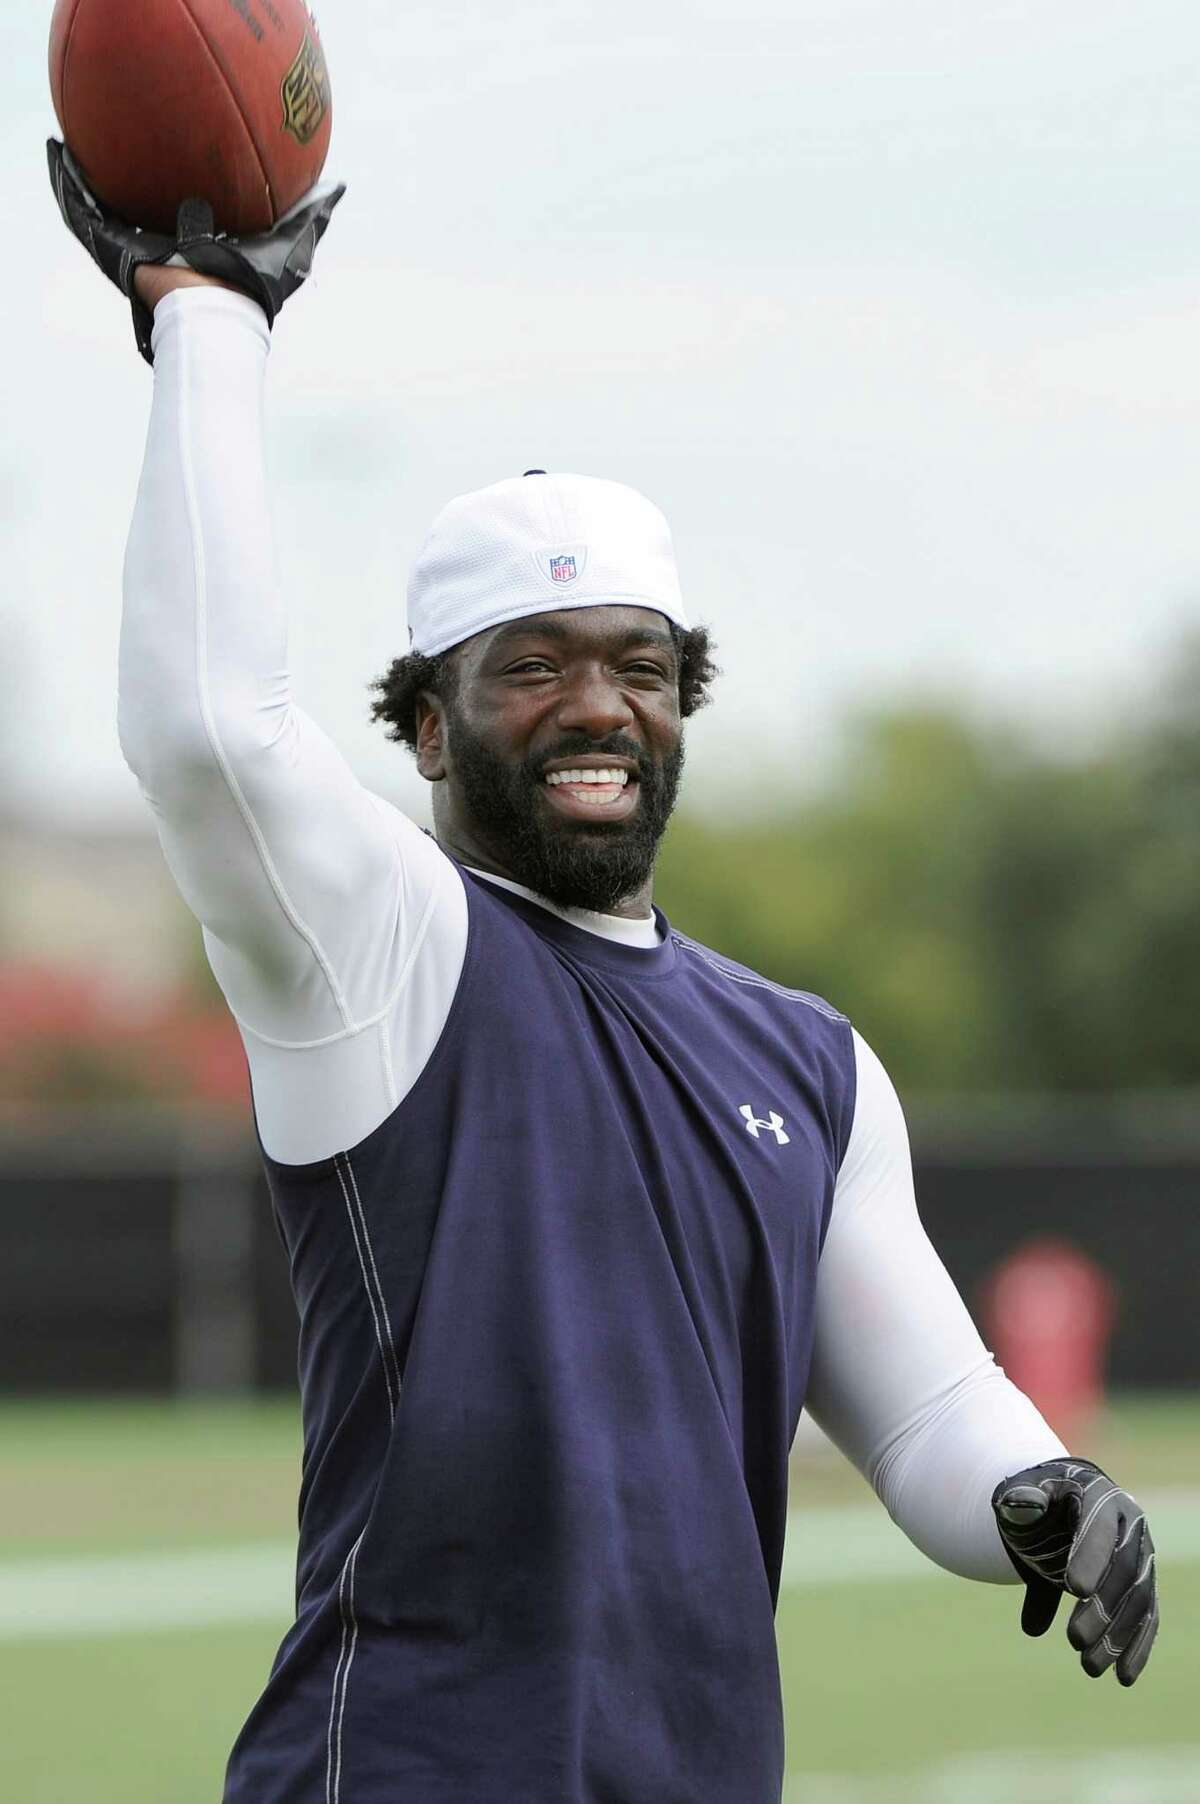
273,842
310,890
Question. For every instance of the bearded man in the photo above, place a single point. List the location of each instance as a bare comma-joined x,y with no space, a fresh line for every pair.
580,1213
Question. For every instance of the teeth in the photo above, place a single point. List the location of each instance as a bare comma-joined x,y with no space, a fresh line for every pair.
620,777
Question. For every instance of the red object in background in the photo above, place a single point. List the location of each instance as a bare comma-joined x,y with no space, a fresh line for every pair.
1048,1312
68,1037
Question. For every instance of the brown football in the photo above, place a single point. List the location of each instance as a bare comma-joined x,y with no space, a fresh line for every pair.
162,100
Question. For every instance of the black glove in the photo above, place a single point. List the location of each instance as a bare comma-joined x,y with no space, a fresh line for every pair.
268,268
1068,1527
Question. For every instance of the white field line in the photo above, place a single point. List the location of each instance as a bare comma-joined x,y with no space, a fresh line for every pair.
253,1582
180,1588
1128,1775
862,1546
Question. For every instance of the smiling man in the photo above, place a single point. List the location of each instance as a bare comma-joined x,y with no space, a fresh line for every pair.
553,737
580,1213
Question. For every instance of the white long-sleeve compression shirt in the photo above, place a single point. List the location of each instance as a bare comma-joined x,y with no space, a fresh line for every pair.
336,929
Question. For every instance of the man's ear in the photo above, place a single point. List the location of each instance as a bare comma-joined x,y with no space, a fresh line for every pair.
431,737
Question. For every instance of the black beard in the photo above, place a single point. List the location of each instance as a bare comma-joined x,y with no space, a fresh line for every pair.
573,864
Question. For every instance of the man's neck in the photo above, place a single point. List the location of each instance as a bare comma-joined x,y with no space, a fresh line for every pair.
625,930
467,849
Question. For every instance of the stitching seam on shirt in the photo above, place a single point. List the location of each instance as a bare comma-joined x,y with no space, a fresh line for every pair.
383,1308
199,578
341,1676
385,1060
758,983
356,1027
374,1297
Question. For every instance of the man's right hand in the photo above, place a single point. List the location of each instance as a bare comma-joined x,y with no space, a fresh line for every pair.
268,268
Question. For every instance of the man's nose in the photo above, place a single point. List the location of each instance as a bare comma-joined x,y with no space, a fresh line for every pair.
594,704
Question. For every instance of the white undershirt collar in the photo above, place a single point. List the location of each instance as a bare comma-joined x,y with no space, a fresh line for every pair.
641,930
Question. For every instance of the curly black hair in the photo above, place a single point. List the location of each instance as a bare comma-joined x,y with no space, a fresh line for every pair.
406,678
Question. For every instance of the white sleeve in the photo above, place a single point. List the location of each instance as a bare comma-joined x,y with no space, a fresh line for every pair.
901,1381
314,895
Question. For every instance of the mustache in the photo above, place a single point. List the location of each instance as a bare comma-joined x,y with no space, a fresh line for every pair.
578,745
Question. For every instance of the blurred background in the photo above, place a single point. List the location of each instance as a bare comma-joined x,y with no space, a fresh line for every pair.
891,307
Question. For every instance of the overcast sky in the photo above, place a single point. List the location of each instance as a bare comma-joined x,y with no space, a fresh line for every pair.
889,304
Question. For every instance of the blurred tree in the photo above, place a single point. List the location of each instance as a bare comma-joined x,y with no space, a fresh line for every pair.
864,895
1161,998
989,917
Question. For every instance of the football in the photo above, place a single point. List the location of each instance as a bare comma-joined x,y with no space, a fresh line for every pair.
161,101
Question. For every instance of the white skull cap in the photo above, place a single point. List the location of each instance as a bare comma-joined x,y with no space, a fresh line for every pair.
534,544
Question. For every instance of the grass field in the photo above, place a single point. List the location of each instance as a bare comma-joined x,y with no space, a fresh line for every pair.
145,1577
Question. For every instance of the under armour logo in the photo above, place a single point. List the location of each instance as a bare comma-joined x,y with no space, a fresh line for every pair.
772,1125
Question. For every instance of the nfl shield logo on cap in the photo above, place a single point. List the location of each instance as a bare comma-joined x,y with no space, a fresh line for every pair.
562,563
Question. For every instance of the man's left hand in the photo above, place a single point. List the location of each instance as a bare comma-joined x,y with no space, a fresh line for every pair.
1068,1527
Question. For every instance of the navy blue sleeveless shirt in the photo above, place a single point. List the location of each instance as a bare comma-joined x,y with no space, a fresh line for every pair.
556,1317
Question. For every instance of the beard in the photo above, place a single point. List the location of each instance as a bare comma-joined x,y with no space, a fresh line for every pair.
575,864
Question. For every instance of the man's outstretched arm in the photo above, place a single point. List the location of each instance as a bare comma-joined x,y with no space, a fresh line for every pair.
314,895
903,1384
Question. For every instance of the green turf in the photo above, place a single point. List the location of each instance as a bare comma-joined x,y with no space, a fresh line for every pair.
83,1477
126,1719
895,1677
880,1679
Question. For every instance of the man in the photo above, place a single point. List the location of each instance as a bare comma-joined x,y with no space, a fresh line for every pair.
580,1213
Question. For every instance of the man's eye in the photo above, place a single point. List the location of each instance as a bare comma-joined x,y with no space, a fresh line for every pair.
536,664
653,670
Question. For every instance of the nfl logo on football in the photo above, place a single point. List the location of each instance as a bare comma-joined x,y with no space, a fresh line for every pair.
563,570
